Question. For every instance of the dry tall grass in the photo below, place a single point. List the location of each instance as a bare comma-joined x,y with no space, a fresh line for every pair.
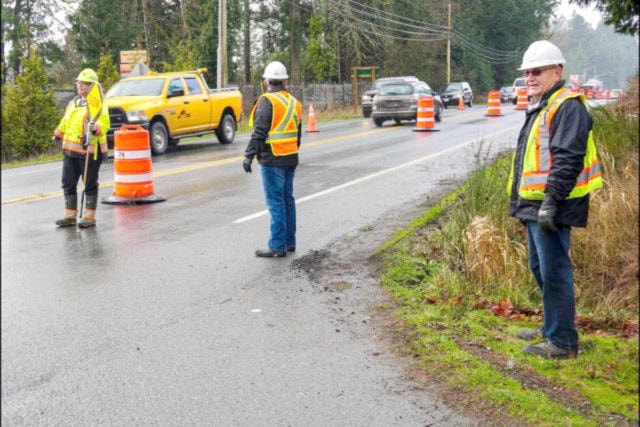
605,254
491,256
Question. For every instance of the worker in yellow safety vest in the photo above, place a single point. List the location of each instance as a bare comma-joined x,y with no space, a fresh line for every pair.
555,167
277,123
77,151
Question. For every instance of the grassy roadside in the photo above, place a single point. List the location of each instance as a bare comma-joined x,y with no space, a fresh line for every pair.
461,287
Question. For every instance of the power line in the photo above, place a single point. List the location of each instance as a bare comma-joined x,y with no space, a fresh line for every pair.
383,24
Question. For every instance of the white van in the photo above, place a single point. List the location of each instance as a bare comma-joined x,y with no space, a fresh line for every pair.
517,85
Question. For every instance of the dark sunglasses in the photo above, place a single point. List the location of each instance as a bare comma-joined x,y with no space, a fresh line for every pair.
537,72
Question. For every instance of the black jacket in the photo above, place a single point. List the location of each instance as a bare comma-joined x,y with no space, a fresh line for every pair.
261,126
568,145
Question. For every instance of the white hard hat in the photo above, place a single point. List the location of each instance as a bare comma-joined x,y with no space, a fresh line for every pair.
541,53
275,71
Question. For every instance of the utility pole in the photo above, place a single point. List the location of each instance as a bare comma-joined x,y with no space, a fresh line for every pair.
295,36
222,78
449,43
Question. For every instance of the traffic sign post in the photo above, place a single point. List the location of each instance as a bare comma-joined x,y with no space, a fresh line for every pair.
362,72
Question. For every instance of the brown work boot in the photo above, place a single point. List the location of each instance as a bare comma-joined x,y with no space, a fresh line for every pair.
70,211
89,217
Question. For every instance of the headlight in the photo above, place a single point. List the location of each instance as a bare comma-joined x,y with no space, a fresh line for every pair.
137,116
366,98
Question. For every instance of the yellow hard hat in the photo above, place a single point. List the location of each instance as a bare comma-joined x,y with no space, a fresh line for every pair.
87,75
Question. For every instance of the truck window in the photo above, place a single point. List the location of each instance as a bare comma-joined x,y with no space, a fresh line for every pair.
147,87
175,84
193,85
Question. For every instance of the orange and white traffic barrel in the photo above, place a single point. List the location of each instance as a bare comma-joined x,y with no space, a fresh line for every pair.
425,116
523,100
493,104
132,178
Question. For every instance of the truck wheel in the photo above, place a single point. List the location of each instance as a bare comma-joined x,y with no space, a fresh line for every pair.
226,131
366,113
159,137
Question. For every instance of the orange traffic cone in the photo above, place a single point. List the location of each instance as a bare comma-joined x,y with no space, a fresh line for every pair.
312,120
425,116
132,168
460,103
493,103
523,100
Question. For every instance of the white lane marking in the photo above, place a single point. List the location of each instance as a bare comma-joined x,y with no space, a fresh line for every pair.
375,175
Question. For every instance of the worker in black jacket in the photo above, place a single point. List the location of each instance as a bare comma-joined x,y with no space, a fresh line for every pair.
277,121
555,168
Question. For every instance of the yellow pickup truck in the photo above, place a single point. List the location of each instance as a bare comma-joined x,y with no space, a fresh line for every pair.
172,106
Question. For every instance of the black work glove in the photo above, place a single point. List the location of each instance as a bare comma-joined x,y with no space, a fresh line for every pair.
547,214
55,140
246,165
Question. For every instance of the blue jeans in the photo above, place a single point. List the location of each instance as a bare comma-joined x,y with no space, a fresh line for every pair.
552,268
278,191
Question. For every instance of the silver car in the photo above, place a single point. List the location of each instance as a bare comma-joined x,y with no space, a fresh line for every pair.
367,98
399,101
505,94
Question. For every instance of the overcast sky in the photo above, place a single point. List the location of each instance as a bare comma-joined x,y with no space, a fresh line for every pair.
591,15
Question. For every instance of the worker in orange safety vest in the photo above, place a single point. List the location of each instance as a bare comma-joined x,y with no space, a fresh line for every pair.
277,123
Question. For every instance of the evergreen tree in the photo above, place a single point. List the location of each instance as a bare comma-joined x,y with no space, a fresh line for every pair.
29,114
107,71
319,57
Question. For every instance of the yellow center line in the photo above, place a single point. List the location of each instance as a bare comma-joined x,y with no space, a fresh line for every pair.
190,168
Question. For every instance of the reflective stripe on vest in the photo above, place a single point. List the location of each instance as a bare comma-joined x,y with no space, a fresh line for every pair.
538,160
285,121
76,119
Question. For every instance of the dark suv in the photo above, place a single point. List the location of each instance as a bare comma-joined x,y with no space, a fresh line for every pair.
452,92
367,97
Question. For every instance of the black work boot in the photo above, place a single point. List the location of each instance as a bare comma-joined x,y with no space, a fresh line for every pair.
89,217
70,211
268,253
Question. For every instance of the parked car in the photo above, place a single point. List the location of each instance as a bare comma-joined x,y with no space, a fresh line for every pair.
517,85
399,101
452,92
367,97
505,94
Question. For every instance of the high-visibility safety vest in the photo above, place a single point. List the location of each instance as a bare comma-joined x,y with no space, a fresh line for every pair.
285,121
538,160
72,126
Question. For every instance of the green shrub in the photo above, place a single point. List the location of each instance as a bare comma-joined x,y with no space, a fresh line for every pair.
29,114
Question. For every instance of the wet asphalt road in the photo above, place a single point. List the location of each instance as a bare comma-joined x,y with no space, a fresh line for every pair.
162,315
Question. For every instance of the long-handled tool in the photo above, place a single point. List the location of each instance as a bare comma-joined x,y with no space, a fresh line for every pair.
94,109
